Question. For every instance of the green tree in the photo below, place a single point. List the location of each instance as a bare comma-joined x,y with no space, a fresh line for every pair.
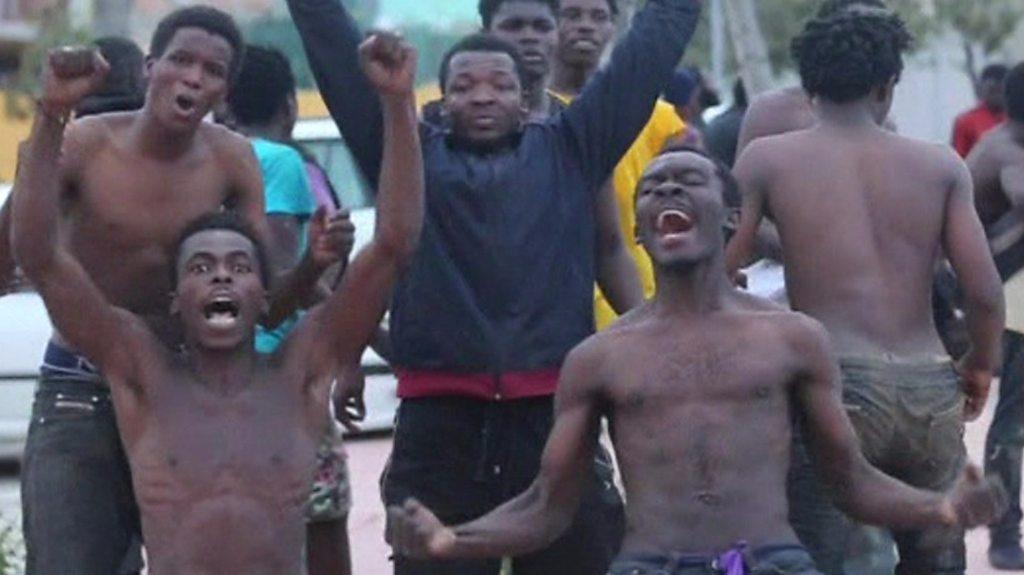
983,26
55,30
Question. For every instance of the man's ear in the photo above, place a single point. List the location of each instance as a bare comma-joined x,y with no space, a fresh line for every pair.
175,308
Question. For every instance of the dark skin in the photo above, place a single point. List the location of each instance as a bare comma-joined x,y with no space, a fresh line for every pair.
682,381
222,441
864,267
997,170
779,112
585,28
131,182
327,541
531,27
617,274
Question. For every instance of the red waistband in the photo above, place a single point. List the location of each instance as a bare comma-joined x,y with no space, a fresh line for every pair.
413,384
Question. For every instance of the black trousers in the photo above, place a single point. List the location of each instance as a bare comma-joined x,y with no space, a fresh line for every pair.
463,457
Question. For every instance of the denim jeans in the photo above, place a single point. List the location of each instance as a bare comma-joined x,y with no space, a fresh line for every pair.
1005,442
766,560
78,507
463,457
909,419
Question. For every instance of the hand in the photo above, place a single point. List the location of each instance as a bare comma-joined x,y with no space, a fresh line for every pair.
974,500
415,532
977,382
330,238
389,62
347,397
69,75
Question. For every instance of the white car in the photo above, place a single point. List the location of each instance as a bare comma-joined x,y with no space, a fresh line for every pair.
25,328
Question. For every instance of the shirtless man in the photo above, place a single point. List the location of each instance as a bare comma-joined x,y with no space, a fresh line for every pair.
698,385
221,439
864,215
997,168
789,109
130,183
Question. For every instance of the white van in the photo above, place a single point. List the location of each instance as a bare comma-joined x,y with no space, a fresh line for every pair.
25,327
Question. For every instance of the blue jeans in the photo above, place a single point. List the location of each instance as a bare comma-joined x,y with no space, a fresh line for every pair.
909,419
766,560
78,507
1005,442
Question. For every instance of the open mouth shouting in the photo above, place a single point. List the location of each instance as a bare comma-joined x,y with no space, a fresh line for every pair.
184,105
221,312
674,224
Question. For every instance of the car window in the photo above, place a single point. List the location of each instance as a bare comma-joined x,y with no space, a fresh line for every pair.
336,160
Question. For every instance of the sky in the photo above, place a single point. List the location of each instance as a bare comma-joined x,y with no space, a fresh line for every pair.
440,12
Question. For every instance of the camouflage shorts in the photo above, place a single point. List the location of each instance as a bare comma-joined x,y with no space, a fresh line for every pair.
331,497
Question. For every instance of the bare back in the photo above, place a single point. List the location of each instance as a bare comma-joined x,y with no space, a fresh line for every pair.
700,414
862,216
124,210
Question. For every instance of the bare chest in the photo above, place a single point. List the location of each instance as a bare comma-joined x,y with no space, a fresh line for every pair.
193,447
127,203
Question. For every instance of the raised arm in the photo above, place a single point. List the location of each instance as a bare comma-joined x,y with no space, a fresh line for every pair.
749,174
544,511
331,40
617,273
108,336
967,249
616,104
346,322
862,491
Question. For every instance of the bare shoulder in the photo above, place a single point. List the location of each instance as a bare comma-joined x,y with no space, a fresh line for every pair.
223,141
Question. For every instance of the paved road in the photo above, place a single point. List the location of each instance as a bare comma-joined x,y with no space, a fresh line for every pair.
367,459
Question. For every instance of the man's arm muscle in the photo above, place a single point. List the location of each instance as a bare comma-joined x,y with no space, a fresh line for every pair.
537,517
860,490
617,273
345,324
109,337
749,174
617,103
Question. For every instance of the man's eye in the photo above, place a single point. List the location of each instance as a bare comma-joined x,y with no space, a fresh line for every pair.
199,268
243,268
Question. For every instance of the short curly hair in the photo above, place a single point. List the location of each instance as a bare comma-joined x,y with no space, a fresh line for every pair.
213,21
264,83
843,57
488,8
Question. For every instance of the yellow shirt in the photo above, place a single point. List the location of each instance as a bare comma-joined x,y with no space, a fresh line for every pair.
663,125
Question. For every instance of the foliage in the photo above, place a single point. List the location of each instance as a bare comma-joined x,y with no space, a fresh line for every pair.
782,20
280,33
12,549
984,24
55,29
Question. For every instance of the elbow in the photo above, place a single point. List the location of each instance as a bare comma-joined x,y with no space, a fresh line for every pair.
986,302
400,246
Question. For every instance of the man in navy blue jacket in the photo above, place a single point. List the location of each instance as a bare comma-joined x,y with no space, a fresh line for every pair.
502,286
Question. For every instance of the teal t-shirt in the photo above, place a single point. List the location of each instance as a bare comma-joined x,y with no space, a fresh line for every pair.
287,193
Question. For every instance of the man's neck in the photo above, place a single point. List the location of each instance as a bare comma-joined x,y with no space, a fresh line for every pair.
267,132
697,289
853,115
153,139
570,80
539,102
224,372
